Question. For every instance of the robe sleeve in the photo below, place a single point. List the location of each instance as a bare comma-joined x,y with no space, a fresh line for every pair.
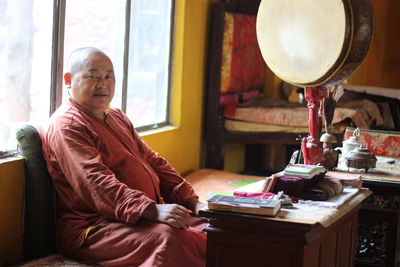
91,179
174,189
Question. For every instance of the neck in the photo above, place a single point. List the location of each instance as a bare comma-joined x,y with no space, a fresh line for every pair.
101,115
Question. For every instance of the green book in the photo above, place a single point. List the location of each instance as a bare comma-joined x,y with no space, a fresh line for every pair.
307,171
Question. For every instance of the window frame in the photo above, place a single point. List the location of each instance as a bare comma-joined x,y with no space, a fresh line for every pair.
58,61
167,121
57,64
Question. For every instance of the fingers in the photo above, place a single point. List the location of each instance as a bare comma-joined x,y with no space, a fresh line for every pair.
179,217
178,223
181,211
172,214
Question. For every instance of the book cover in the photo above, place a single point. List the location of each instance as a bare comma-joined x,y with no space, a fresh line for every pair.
269,207
303,170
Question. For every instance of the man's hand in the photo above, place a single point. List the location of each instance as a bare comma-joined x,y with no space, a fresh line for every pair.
172,214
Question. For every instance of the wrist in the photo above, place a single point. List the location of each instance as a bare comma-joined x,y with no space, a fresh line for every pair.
191,203
150,212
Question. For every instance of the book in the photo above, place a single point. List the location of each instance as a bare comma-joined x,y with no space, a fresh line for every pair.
349,179
303,170
270,186
269,207
262,186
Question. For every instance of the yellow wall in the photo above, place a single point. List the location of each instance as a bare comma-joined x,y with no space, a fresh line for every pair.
11,192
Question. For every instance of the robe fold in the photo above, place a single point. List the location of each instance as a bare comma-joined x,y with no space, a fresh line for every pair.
105,176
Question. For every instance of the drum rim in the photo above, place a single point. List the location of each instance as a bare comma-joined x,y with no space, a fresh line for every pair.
336,68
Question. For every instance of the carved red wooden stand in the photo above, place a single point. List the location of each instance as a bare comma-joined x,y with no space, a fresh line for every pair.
311,146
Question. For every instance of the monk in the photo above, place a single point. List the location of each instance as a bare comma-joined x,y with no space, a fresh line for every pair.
118,202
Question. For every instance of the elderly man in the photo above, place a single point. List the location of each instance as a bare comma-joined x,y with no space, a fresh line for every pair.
119,203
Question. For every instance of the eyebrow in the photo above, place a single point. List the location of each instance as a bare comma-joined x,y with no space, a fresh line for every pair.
96,70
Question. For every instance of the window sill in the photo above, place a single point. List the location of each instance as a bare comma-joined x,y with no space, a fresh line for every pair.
10,158
8,154
163,129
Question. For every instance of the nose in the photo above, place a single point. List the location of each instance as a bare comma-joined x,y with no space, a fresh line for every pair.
101,83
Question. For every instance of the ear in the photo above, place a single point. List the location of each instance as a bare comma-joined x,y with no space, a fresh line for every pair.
67,79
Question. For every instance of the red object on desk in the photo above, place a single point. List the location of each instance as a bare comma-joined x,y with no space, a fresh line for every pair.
311,146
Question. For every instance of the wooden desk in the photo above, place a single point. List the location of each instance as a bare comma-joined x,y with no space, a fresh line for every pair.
289,239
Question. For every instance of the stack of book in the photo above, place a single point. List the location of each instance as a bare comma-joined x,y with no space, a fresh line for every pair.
267,207
298,177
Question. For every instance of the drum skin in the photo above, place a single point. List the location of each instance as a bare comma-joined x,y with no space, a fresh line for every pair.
312,43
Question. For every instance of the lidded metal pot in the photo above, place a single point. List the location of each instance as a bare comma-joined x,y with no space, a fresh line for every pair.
350,144
361,158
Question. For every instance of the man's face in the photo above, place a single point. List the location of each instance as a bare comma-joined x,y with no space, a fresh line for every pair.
93,83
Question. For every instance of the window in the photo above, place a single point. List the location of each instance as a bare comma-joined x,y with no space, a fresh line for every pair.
25,69
136,34
149,57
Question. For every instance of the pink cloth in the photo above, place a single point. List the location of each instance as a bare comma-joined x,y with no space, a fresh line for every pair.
105,176
264,195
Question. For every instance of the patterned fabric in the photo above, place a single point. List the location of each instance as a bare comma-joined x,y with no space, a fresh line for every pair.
54,260
323,190
243,67
381,143
363,113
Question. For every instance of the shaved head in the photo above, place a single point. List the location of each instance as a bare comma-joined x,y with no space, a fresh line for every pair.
90,79
78,57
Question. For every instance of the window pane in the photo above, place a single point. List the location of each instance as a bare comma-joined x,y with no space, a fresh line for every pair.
149,55
25,56
101,24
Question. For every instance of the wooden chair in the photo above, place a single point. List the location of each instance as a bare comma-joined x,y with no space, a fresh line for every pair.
217,100
216,136
39,230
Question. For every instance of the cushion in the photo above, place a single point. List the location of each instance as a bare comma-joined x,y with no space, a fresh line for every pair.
381,143
39,211
54,260
243,68
364,113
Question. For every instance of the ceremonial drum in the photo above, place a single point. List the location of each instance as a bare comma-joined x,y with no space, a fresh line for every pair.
312,43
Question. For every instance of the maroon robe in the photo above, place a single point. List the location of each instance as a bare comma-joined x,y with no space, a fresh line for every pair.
105,176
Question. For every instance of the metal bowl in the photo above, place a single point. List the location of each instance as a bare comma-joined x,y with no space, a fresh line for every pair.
361,158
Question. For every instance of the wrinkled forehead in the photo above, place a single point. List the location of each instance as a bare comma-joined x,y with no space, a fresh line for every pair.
90,61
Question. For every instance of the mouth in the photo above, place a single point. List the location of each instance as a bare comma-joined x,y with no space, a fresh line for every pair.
100,95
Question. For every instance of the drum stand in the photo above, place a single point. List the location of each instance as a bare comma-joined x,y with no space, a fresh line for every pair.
311,147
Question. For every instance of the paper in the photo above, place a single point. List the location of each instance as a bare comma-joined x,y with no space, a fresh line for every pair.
334,202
